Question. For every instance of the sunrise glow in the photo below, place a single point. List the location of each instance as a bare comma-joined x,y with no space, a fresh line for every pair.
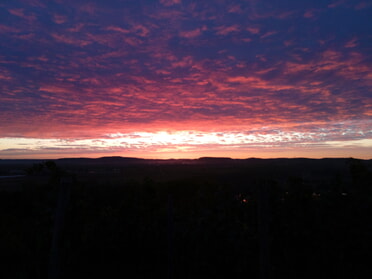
181,79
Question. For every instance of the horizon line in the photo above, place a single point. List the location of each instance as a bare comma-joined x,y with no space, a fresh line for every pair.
178,159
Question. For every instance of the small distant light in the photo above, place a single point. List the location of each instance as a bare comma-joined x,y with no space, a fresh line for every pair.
344,194
244,200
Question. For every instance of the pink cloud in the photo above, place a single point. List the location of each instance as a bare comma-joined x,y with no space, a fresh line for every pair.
235,9
336,4
246,40
55,89
88,8
36,3
224,30
261,57
132,41
77,28
5,76
285,15
191,34
242,79
352,43
170,2
69,40
184,62
17,12
20,13
118,29
59,19
27,37
253,30
8,29
288,43
352,67
363,5
141,30
310,13
268,34
253,82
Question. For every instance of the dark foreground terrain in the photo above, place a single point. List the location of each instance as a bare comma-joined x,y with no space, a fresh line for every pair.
207,218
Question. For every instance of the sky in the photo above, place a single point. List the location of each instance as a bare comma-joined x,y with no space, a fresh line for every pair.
185,79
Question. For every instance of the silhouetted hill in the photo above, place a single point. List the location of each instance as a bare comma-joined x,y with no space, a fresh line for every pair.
102,160
251,166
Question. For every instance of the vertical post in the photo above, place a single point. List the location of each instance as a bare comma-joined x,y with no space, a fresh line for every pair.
263,229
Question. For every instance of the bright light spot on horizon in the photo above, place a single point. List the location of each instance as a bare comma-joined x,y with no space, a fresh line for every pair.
161,138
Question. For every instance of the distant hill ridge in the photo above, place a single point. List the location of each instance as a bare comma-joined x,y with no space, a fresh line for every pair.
108,158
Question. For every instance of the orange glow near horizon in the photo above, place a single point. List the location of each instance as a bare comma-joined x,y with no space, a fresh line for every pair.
188,145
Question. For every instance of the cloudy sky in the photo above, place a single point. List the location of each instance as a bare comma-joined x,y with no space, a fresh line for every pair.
184,79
